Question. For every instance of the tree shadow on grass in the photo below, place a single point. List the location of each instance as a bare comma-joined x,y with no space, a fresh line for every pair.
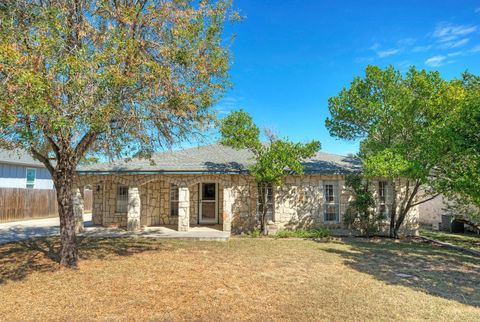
19,259
415,264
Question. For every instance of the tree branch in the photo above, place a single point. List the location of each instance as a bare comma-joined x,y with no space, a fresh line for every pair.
43,159
84,144
53,144
428,199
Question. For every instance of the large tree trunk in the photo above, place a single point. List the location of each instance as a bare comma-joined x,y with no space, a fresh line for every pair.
401,218
406,206
63,180
393,212
263,192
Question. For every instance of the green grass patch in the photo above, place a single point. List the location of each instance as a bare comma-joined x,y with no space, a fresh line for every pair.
304,233
466,240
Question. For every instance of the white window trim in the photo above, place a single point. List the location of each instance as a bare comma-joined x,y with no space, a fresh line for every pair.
272,208
34,178
117,200
336,201
388,196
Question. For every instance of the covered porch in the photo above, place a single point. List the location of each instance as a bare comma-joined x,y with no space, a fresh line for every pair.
164,204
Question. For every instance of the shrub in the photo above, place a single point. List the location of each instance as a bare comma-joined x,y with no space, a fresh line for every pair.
255,233
303,233
361,213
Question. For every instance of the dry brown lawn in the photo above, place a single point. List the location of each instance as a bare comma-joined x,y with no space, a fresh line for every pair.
244,279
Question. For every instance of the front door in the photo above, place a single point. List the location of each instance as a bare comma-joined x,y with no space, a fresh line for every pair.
208,203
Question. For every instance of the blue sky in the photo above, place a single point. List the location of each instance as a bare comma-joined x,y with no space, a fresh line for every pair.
291,56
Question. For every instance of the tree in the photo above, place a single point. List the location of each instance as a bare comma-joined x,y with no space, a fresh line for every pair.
457,175
273,161
80,77
361,213
396,117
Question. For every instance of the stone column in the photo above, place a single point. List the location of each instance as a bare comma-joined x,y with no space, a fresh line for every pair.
97,204
78,206
227,208
134,205
183,209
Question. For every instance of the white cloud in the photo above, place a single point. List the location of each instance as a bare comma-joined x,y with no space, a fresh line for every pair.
477,10
475,49
406,42
387,53
226,105
420,49
375,46
455,54
455,44
445,42
450,33
436,61
382,53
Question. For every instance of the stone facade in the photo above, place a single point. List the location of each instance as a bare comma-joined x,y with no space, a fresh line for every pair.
299,203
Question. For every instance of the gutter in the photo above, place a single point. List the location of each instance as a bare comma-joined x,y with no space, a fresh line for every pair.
129,172
159,172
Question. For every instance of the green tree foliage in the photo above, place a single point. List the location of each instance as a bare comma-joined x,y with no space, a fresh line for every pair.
361,213
458,173
79,77
397,118
273,161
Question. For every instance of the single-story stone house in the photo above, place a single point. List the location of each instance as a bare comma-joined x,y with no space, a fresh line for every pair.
210,185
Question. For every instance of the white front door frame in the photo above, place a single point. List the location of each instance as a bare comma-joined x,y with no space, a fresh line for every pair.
208,220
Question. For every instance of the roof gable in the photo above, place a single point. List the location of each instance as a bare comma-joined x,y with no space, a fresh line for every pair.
20,157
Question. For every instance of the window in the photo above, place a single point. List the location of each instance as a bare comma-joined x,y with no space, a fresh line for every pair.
173,200
122,199
269,199
331,206
383,199
31,174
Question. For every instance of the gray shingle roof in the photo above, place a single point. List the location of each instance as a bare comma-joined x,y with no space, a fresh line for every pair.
216,158
18,157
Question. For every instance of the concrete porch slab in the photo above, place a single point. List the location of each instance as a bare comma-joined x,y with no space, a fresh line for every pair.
163,232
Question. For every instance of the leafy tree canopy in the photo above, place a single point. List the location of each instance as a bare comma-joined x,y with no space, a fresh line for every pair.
458,172
399,119
273,160
396,117
119,77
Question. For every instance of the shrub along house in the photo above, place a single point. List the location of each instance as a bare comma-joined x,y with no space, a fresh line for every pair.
210,185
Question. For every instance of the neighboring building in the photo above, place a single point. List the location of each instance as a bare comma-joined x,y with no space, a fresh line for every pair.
431,211
210,185
19,170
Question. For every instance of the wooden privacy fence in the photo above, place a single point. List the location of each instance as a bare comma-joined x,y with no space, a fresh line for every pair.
24,204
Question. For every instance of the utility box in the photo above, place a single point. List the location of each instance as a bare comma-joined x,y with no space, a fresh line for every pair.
451,225
446,221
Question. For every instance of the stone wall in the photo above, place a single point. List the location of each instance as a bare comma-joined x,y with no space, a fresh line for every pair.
297,204
154,192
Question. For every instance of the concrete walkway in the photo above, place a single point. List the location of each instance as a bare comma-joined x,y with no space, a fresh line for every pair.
21,230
